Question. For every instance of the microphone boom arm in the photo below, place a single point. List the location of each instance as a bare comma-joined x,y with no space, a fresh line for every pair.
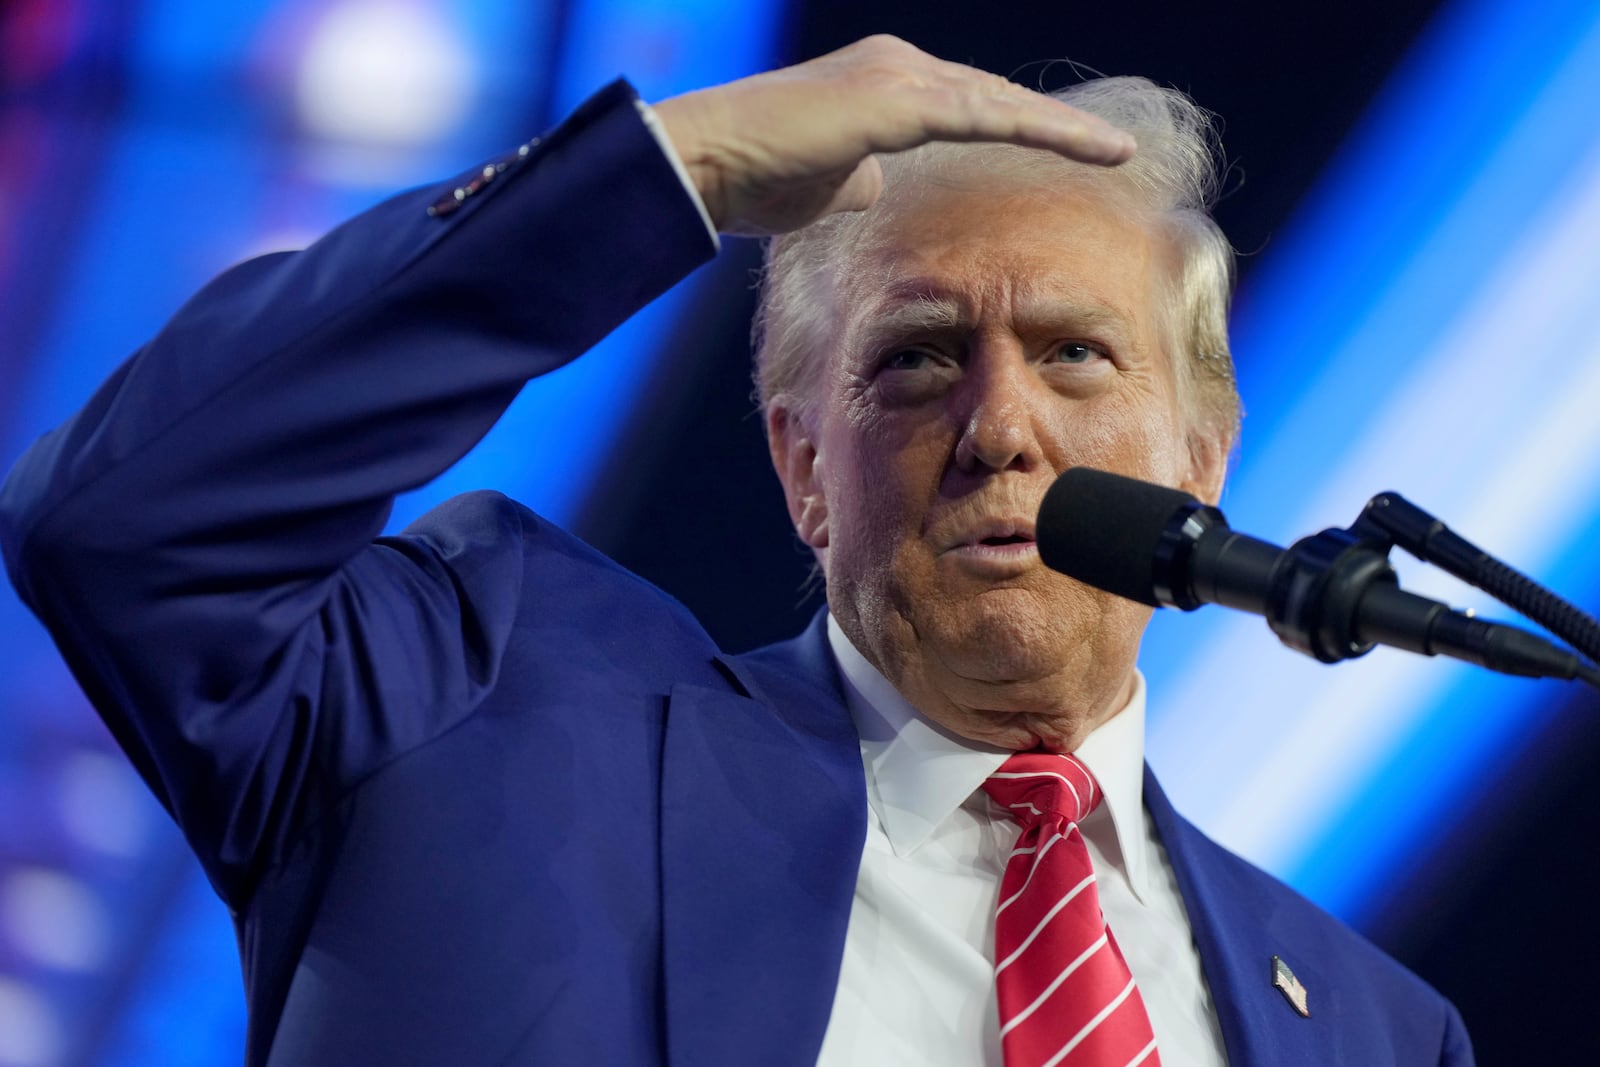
1393,520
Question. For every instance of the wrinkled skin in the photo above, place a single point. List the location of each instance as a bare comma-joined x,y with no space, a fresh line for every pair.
988,340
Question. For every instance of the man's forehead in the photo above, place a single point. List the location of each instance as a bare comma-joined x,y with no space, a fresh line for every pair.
964,246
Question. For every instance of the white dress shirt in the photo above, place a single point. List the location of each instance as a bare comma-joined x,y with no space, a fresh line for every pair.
917,983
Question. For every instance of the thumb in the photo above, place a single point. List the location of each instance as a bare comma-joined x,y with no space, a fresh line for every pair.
860,190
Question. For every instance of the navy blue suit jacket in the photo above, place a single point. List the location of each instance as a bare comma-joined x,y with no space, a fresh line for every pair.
475,794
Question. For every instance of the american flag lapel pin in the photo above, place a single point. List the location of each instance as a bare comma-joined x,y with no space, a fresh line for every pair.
1287,984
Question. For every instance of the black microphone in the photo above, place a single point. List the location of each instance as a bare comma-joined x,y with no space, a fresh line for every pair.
1331,595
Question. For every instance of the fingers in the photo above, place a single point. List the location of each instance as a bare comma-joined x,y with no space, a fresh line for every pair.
1025,118
954,102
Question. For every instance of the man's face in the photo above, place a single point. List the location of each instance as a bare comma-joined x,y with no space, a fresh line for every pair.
988,341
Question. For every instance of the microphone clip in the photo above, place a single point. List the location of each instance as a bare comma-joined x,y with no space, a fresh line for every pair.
1314,603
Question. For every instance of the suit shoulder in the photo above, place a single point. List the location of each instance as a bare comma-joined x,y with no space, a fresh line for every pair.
500,549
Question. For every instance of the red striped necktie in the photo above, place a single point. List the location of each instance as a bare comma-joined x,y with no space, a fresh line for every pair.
1066,996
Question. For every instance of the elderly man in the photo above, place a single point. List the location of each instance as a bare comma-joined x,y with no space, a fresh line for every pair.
475,795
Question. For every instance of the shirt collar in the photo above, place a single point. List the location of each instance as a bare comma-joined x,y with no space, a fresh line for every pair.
918,773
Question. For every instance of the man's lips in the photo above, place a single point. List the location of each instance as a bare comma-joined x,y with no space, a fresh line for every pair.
999,537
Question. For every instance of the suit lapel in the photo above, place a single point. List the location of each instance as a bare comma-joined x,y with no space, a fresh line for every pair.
1238,927
763,816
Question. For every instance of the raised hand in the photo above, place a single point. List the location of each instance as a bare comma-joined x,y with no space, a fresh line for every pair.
775,151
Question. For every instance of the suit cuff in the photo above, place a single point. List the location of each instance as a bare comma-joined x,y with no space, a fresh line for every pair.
653,123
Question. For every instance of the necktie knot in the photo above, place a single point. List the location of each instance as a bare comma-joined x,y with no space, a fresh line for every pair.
1035,786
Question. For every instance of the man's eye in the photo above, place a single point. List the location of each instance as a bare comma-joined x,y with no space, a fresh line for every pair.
1076,352
907,359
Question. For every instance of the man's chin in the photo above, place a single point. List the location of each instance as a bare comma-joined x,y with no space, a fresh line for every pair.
1047,691
995,649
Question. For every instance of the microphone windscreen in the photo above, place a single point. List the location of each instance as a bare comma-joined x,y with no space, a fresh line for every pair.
1104,530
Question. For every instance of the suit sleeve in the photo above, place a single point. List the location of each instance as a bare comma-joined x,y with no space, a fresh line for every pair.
200,537
1457,1051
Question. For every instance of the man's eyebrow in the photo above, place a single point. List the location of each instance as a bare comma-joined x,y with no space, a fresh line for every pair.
912,310
906,314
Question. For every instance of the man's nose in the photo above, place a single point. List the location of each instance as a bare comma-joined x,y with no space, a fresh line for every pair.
999,430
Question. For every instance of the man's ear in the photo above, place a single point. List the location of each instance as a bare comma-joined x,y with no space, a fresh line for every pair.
799,468
1209,449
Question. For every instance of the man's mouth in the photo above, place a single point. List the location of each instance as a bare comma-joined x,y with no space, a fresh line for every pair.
999,540
1009,539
